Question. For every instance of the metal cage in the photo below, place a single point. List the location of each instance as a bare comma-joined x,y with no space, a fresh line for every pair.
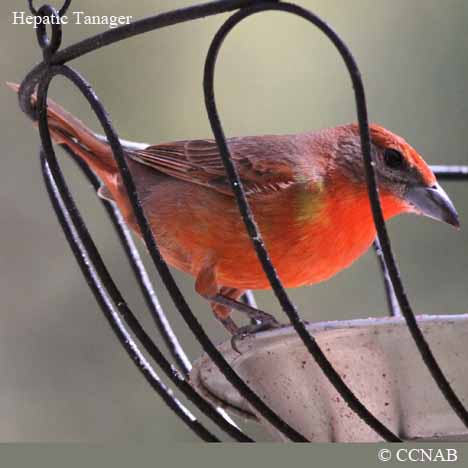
113,305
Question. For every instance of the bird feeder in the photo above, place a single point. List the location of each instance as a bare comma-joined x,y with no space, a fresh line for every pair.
366,380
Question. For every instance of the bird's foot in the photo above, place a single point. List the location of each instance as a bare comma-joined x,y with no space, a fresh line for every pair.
262,322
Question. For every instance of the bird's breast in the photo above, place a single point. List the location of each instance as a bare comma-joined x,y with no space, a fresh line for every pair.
338,230
310,235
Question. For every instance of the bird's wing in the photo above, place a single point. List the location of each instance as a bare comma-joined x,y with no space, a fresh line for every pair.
264,163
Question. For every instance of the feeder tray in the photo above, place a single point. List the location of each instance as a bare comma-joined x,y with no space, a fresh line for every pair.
375,357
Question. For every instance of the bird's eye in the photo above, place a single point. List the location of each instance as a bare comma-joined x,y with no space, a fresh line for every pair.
393,158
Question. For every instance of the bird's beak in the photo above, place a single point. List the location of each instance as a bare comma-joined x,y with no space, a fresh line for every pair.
434,203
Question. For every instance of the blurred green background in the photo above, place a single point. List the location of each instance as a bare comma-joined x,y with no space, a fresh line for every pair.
64,377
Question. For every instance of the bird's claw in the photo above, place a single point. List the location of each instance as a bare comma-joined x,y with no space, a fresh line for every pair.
263,323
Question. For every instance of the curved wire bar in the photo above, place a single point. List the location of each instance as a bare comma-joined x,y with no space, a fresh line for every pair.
98,264
92,277
120,33
48,45
61,12
139,271
449,173
236,184
141,276
150,242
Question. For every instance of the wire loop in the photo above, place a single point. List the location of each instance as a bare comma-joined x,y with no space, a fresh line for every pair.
247,215
48,45
61,12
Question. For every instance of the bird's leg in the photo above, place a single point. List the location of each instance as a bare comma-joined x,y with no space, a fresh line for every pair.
249,299
227,299
224,300
206,286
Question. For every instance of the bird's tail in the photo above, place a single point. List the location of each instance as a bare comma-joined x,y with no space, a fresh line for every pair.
70,131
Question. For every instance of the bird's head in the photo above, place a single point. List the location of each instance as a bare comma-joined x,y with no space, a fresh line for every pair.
406,182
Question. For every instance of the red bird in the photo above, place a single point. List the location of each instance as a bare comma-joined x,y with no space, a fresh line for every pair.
307,191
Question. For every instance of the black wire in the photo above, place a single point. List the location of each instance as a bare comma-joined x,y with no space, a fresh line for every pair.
141,275
120,33
49,45
247,216
106,278
389,258
449,173
139,271
61,12
85,263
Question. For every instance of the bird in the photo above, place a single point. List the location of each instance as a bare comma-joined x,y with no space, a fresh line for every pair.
307,191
